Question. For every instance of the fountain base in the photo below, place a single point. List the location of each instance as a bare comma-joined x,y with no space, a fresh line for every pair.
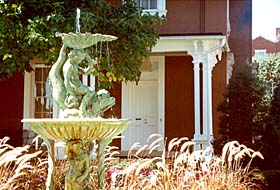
78,135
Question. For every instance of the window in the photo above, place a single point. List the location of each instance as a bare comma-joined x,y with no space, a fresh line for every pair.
147,4
153,6
261,53
42,94
38,102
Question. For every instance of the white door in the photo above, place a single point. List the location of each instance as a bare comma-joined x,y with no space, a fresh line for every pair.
140,104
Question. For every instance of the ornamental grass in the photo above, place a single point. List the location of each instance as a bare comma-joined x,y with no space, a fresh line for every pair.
178,167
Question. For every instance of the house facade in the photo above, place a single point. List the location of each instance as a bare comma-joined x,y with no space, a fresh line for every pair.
262,46
182,81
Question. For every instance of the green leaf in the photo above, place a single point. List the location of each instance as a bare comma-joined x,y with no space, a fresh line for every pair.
6,56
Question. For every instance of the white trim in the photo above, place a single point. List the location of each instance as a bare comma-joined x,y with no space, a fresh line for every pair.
26,98
260,53
92,81
85,80
186,43
161,13
196,69
161,96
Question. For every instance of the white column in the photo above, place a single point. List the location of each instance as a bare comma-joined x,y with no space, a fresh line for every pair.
205,106
197,132
209,95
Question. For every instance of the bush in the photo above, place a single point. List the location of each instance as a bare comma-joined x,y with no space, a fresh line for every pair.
242,109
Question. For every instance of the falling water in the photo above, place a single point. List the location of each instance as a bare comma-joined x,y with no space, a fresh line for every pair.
78,21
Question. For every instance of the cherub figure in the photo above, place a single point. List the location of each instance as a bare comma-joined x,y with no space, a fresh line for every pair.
79,165
78,95
73,97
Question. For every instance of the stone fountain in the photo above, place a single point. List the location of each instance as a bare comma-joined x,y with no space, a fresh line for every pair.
81,107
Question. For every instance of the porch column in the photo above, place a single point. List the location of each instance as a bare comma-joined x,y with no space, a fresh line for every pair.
197,60
197,132
210,65
207,103
205,100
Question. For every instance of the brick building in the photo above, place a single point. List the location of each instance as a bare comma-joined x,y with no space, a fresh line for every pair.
178,94
261,46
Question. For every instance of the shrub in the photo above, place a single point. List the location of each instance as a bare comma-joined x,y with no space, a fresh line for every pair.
242,109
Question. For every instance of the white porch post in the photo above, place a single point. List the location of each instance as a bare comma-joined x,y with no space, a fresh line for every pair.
197,132
196,70
209,94
204,52
205,100
207,103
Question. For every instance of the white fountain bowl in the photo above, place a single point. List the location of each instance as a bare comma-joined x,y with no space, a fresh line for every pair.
73,129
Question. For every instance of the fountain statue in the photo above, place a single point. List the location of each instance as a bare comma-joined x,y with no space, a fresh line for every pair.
80,105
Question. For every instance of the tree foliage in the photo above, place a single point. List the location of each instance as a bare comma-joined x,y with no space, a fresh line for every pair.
240,107
251,109
19,39
27,30
270,140
268,73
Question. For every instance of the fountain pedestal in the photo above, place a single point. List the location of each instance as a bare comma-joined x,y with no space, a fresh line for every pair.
77,133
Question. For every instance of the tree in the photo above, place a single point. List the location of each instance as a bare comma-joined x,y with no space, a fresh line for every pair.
19,40
251,109
270,140
240,107
269,74
27,30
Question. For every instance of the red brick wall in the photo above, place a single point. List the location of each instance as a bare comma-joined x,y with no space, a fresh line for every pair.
219,80
179,97
194,17
11,112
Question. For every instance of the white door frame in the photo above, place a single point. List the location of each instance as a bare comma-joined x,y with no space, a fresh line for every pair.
160,62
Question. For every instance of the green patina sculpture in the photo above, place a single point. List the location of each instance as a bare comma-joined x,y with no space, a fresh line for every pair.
73,97
80,105
77,175
78,100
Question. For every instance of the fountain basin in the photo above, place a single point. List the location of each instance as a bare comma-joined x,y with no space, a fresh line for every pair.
77,131
77,128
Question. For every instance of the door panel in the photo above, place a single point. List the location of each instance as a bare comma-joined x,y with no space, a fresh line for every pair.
141,107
